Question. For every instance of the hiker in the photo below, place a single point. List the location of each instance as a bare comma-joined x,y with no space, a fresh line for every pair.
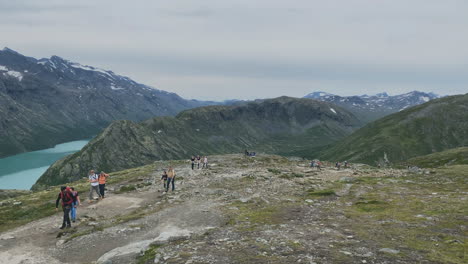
193,161
205,162
338,165
198,161
319,165
93,178
67,202
74,204
164,178
102,183
246,152
346,164
170,178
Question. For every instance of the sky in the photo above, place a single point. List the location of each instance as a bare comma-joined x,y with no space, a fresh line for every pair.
247,49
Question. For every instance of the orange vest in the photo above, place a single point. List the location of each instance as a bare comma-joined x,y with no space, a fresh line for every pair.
102,178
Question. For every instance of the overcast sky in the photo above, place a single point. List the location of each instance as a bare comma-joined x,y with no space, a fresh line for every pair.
246,49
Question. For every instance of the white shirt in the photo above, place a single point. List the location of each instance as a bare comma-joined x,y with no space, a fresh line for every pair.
94,177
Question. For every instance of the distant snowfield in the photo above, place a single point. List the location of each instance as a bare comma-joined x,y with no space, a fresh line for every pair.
333,110
15,74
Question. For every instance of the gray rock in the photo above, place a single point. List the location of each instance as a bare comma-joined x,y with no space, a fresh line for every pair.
347,179
389,250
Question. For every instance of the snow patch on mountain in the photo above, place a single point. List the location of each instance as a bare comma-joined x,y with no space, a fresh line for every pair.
333,110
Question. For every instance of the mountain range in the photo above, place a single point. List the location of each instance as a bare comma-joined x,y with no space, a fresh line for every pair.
282,125
52,100
372,107
434,126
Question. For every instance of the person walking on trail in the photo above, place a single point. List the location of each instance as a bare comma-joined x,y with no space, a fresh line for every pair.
93,178
67,203
164,178
102,183
170,178
193,161
74,204
319,165
198,161
205,162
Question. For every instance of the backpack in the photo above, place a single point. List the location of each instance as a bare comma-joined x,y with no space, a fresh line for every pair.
66,197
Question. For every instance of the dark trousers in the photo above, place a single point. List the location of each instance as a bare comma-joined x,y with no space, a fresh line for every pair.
193,164
66,215
101,189
169,181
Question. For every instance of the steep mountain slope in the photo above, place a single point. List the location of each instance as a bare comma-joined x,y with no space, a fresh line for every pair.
275,125
431,127
49,101
370,108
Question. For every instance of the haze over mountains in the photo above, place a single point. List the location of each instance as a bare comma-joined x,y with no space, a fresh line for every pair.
49,101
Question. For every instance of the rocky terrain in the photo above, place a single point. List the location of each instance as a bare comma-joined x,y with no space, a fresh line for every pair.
52,100
288,126
372,107
266,209
432,127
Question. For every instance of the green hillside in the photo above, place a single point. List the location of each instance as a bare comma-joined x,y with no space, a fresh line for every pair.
431,127
283,125
456,156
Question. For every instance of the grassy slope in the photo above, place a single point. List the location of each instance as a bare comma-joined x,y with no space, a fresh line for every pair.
434,126
456,156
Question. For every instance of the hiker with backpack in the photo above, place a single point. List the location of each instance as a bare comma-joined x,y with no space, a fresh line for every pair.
102,183
93,178
67,203
74,204
205,163
170,178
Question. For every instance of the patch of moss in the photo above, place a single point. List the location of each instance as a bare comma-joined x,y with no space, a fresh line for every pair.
274,171
149,255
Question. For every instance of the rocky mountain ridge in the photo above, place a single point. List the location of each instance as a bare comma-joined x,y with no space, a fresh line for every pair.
267,209
49,101
373,107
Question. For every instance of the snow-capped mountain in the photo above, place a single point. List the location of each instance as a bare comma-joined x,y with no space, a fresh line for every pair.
48,101
371,107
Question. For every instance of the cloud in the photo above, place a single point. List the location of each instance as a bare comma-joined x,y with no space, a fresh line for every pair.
214,45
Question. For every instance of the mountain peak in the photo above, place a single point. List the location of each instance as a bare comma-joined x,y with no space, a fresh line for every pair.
6,49
319,94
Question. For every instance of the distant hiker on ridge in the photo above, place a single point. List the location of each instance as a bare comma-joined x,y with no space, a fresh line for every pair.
198,161
193,161
67,202
93,178
205,162
164,178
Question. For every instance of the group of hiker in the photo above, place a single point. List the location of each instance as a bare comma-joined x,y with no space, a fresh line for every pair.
339,164
199,160
71,199
316,164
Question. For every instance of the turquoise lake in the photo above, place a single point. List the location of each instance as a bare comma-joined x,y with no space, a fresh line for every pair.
21,171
